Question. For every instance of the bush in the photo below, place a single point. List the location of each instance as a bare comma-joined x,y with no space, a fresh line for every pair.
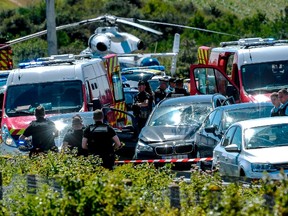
70,185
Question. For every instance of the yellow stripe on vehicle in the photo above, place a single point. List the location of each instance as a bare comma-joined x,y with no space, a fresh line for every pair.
203,55
21,131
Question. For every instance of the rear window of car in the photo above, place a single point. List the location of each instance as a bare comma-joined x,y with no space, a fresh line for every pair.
232,116
136,76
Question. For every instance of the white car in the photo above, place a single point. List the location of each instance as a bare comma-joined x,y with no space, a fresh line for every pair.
254,149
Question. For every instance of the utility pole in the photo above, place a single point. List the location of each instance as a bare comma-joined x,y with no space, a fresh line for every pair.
51,27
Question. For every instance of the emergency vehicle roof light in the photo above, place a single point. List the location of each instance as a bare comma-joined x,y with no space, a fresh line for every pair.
54,59
248,42
57,57
30,64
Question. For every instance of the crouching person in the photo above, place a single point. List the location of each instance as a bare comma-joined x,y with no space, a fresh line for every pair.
101,139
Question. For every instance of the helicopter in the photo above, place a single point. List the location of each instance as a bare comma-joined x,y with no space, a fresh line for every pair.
109,40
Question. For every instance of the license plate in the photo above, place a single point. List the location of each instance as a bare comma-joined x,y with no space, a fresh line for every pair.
175,157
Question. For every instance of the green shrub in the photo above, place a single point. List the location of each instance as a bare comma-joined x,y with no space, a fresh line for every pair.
85,188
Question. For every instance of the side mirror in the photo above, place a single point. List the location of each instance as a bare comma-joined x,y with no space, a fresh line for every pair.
211,129
231,91
232,148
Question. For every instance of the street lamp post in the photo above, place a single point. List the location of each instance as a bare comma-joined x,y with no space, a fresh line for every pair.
51,27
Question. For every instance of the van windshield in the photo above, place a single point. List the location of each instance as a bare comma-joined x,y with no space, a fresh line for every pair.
265,77
56,97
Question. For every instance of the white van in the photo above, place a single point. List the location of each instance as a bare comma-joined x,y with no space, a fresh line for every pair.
62,84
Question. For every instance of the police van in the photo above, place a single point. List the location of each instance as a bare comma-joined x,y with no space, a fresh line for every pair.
62,84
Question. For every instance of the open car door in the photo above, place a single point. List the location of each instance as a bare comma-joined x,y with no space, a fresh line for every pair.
209,79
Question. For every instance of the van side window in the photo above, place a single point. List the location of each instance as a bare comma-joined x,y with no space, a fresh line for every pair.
88,91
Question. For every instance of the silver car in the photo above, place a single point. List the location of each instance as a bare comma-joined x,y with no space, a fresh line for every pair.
254,149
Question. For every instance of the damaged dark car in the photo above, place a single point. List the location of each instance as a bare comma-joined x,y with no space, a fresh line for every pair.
170,130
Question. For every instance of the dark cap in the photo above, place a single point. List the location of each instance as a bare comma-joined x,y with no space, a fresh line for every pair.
172,79
141,82
76,120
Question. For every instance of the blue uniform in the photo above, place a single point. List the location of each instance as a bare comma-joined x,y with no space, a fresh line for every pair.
283,111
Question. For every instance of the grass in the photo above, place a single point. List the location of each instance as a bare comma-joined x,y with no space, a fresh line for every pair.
242,8
6,4
246,8
12,4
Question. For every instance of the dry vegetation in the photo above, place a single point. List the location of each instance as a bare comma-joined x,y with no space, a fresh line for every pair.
245,8
11,4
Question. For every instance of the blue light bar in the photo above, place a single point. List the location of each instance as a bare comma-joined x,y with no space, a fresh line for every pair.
31,64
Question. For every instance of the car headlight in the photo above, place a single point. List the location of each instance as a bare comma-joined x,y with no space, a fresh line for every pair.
143,147
263,167
189,142
7,138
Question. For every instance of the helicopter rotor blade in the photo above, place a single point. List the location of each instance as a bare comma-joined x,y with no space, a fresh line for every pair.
106,18
44,32
137,25
188,27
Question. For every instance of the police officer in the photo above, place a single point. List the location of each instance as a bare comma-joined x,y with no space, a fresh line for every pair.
101,139
43,132
276,102
73,138
140,106
160,92
283,97
179,89
172,85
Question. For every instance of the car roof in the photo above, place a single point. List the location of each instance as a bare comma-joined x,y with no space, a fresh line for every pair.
244,105
188,99
262,122
129,89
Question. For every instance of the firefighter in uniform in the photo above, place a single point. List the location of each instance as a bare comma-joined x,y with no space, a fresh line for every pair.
283,97
73,138
140,106
101,139
43,132
160,92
